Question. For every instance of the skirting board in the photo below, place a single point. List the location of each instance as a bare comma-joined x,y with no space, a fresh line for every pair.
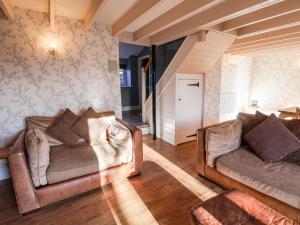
129,108
4,170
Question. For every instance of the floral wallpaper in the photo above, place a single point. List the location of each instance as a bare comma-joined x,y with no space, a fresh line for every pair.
212,94
32,82
276,80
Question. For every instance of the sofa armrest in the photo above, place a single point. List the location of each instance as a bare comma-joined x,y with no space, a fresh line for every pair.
22,182
137,146
201,153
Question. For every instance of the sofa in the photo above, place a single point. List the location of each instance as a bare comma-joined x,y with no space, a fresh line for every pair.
73,169
275,184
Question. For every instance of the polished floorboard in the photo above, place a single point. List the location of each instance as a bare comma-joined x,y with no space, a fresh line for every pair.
164,194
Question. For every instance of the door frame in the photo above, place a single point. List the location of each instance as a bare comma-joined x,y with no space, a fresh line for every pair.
142,84
189,76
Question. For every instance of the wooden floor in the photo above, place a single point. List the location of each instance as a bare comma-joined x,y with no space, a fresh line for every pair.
163,194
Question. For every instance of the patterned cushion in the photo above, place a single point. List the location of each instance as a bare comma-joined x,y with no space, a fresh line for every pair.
98,128
222,139
38,155
61,128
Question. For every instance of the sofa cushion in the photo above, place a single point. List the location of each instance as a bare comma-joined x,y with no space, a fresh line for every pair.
280,180
81,127
61,128
120,138
98,127
42,123
271,140
38,155
222,139
250,121
71,162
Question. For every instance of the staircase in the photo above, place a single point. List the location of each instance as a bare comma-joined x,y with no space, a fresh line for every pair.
196,55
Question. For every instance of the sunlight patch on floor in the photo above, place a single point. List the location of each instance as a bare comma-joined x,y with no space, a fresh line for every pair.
194,185
126,205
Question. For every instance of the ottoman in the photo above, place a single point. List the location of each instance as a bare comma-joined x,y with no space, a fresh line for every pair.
236,208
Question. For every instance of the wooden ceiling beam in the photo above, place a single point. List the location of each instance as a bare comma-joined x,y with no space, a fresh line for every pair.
266,46
280,22
93,12
133,14
217,14
269,35
273,11
52,12
172,16
294,48
8,9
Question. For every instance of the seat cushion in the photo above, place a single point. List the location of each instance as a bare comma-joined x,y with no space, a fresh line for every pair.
280,180
71,162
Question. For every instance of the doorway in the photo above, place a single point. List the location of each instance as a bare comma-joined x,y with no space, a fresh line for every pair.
189,107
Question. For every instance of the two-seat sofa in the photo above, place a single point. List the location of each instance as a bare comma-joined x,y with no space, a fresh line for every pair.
276,184
72,170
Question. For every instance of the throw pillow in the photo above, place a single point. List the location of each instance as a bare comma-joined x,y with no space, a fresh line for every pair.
120,138
249,122
98,127
118,135
61,128
222,139
38,155
81,126
271,140
42,123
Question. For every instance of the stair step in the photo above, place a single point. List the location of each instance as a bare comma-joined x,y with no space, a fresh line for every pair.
145,128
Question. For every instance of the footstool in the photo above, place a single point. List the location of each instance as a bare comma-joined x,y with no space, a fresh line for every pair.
236,208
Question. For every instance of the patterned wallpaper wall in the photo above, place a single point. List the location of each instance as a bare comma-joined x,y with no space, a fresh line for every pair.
32,82
212,94
276,80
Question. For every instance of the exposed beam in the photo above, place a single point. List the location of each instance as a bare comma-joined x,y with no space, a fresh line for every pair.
127,37
268,46
93,12
275,10
269,35
52,12
294,48
265,44
217,14
133,14
172,16
280,22
270,40
8,9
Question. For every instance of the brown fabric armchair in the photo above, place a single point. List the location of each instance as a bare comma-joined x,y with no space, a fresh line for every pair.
30,198
213,174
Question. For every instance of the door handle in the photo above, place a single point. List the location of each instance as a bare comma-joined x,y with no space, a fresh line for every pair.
195,85
179,99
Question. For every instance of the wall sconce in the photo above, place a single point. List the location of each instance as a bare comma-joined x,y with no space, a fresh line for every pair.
53,49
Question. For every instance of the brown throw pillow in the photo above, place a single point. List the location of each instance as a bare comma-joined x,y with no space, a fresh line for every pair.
61,128
271,140
250,122
81,126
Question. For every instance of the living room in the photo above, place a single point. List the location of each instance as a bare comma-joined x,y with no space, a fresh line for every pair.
222,111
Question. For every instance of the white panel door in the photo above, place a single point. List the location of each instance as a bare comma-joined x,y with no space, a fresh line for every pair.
188,108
